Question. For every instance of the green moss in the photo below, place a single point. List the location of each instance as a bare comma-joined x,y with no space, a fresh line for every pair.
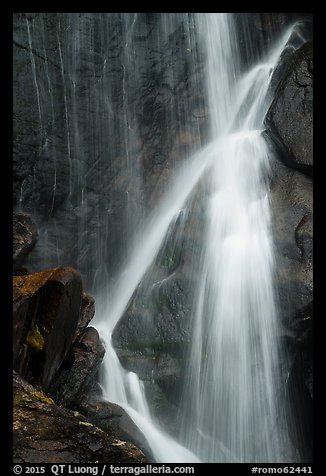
42,398
35,339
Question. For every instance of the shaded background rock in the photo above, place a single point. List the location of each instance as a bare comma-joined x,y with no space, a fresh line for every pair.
24,238
292,207
153,335
290,117
98,132
46,433
289,124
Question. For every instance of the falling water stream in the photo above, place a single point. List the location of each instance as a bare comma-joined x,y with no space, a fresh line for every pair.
231,402
231,405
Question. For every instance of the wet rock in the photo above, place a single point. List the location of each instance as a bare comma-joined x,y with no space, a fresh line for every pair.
78,179
24,238
292,208
150,367
46,433
290,132
299,402
76,377
46,311
290,117
152,337
87,312
291,200
159,323
111,418
154,367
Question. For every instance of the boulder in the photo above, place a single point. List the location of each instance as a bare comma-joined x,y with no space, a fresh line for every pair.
111,418
87,312
292,207
292,210
289,125
46,433
153,335
157,368
289,120
76,377
45,316
157,319
24,238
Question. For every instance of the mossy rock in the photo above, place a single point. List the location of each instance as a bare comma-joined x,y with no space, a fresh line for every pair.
35,340
42,398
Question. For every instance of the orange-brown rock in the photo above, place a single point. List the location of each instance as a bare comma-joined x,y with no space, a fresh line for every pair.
46,311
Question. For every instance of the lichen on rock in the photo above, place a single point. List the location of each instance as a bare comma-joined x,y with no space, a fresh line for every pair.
35,340
42,398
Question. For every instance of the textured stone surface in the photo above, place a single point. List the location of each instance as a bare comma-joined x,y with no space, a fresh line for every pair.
74,381
98,132
46,433
158,315
141,330
113,419
292,207
47,302
153,336
24,237
87,312
290,117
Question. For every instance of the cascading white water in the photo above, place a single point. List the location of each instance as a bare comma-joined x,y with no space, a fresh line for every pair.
232,380
230,410
124,387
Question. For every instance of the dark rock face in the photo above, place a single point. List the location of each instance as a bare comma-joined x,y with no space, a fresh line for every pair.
46,313
112,418
87,312
164,327
292,207
46,433
24,238
74,382
290,131
153,336
290,117
98,132
152,339
299,399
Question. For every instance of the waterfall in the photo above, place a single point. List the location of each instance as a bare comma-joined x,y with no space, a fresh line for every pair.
95,106
118,385
233,380
231,405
